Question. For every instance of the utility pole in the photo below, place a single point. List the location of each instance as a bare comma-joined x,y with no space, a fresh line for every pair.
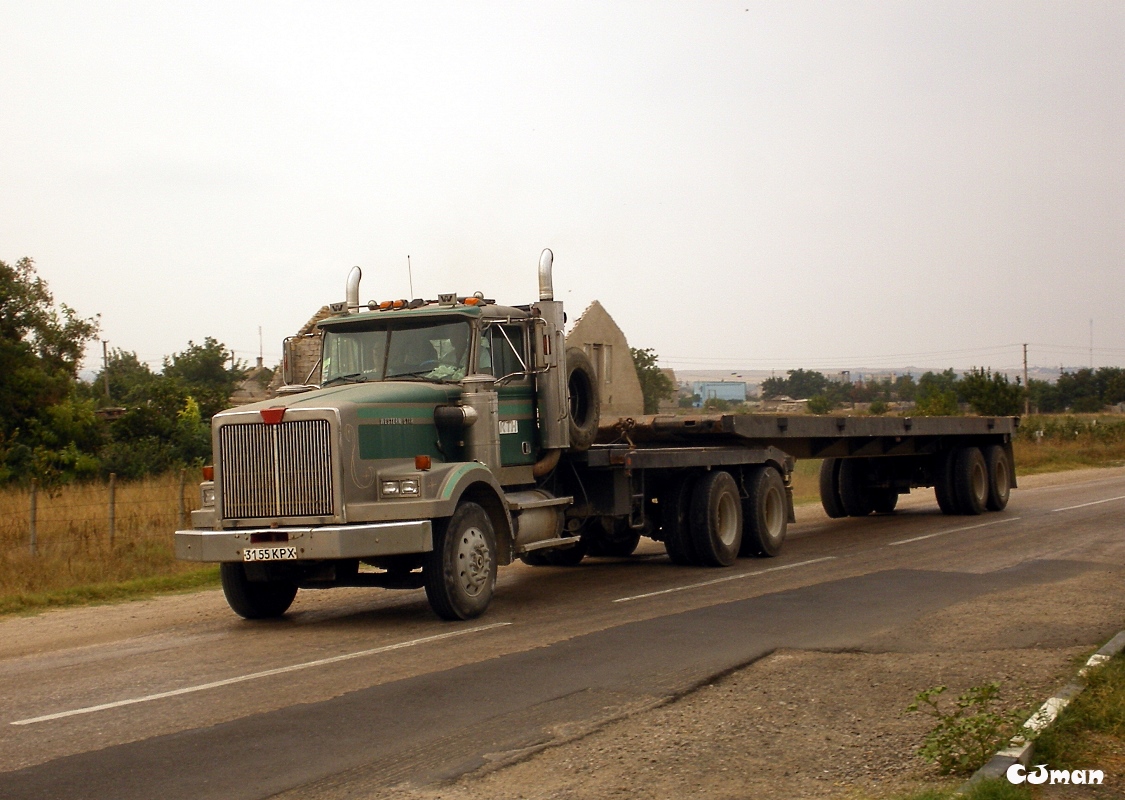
1026,388
105,366
1091,345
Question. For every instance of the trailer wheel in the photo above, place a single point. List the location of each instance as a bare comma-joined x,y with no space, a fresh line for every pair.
582,391
999,477
716,520
970,481
830,488
884,501
460,572
255,599
765,515
675,528
943,481
855,496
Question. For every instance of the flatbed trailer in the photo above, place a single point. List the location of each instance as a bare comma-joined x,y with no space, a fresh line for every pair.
435,441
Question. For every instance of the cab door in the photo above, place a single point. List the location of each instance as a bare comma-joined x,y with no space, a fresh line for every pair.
503,354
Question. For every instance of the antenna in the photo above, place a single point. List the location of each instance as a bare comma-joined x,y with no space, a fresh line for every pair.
410,276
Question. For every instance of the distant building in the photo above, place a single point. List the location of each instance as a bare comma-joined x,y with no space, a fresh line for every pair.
731,391
597,334
254,387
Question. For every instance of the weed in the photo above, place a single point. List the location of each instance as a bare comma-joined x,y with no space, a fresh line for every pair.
966,736
1071,743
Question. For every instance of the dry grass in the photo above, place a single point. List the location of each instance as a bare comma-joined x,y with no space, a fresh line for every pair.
73,548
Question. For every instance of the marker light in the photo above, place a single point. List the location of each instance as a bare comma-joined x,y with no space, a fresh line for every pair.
423,462
209,473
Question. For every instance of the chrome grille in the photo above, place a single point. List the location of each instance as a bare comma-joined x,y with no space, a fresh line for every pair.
282,470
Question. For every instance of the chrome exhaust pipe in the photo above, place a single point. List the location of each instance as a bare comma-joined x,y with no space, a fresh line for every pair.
353,289
546,287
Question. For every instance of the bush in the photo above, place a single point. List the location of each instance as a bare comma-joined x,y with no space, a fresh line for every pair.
967,736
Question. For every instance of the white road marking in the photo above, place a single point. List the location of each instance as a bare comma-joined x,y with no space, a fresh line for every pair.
255,675
952,530
723,579
1093,503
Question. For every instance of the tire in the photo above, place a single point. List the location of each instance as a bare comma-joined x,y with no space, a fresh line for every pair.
830,488
716,520
765,513
583,398
255,599
556,556
613,538
884,501
460,572
943,481
970,481
675,522
856,498
999,476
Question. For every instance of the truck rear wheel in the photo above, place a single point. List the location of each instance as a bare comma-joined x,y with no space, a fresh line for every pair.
582,391
999,477
765,515
943,481
613,538
884,500
570,556
855,495
255,599
460,572
830,488
716,520
675,527
970,481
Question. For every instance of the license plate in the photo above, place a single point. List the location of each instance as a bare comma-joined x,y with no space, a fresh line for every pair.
269,554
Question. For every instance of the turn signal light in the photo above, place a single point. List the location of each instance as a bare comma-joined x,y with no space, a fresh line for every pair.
423,462
209,473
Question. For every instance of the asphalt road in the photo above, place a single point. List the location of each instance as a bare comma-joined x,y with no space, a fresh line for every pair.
358,689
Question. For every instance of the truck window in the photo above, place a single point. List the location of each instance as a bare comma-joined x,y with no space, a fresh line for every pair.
423,350
502,350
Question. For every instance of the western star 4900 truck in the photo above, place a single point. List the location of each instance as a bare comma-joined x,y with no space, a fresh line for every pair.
447,438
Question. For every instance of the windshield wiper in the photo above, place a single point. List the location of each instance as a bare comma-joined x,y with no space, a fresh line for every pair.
351,377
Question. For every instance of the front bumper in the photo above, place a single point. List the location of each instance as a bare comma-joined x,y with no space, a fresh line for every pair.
319,543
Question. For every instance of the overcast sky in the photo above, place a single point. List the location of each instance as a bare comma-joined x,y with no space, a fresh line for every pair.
743,185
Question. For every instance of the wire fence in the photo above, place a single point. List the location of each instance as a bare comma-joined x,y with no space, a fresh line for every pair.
96,517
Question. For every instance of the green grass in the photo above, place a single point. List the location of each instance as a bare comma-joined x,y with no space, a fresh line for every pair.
135,589
1079,736
984,790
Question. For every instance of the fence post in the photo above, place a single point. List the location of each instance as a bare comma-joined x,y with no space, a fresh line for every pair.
112,507
33,516
183,482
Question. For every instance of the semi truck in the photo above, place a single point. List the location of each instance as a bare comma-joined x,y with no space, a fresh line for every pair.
435,441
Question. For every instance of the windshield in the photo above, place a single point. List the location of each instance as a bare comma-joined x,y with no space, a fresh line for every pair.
396,350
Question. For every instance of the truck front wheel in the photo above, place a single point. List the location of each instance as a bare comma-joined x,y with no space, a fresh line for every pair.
460,572
716,519
255,599
765,513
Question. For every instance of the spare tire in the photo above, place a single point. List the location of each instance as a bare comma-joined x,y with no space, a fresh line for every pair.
582,394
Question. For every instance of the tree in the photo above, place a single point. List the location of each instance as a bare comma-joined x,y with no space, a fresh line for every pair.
203,370
655,383
799,385
991,394
41,349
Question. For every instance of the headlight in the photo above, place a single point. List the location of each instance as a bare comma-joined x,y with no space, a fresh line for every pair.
410,486
390,487
207,495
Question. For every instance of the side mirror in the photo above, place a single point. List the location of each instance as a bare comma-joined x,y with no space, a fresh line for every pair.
288,360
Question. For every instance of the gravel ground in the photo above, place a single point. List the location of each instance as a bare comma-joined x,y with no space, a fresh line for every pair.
819,724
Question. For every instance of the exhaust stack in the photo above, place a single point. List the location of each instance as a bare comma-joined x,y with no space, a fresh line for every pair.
353,289
546,287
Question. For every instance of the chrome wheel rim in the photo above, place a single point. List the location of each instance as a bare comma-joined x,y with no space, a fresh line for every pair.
474,562
980,482
726,519
774,513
